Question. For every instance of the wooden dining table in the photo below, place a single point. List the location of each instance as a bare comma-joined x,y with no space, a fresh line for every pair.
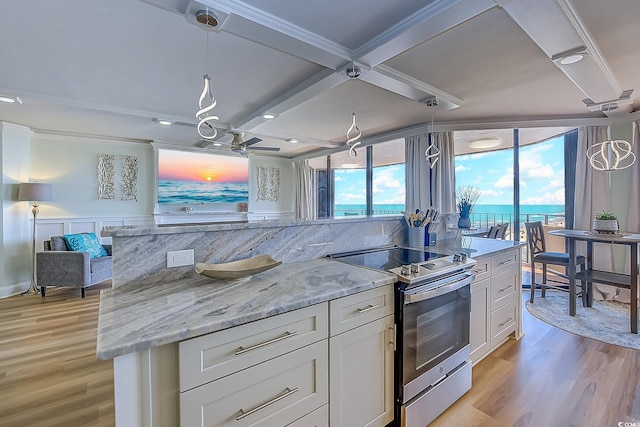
590,276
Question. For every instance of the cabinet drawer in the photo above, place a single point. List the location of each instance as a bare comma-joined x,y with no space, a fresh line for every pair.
272,394
504,261
504,288
318,418
216,355
503,322
355,310
482,269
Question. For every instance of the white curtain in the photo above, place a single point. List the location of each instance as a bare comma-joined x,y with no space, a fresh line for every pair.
417,180
633,220
593,195
443,182
304,196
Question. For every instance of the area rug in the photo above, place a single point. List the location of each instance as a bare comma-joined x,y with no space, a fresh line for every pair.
606,321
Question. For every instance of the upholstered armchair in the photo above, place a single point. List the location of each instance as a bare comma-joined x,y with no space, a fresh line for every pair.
58,265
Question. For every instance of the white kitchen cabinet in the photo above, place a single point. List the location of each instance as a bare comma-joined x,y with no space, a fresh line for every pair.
280,371
496,297
361,360
317,418
212,356
274,393
479,333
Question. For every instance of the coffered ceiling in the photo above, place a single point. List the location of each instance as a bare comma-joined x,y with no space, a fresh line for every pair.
113,68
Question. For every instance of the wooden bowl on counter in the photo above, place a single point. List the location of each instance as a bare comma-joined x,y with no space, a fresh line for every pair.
237,269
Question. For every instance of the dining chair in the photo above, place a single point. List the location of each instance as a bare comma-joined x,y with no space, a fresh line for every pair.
538,253
498,231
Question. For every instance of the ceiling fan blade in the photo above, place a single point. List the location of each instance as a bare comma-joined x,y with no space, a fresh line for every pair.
264,149
251,141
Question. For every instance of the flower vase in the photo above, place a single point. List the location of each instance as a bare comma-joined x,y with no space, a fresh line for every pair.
464,222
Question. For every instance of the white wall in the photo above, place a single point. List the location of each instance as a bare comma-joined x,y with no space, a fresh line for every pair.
70,164
285,205
15,255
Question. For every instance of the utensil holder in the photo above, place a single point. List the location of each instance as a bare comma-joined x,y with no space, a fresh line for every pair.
415,237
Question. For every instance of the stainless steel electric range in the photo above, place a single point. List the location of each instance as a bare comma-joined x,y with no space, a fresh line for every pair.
432,315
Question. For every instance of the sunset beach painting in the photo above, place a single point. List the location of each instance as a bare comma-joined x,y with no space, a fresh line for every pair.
192,177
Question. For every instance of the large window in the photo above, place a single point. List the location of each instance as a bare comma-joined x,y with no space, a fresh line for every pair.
388,178
346,189
540,174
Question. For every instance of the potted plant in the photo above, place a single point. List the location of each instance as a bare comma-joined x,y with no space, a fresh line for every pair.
606,222
466,198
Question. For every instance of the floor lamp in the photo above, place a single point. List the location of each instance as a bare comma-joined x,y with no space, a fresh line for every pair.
34,192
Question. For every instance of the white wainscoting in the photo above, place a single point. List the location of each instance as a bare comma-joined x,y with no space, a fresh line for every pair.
48,227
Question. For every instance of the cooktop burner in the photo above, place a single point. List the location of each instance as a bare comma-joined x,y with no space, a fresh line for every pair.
411,266
386,258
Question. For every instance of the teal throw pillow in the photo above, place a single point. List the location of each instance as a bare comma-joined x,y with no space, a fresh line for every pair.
86,242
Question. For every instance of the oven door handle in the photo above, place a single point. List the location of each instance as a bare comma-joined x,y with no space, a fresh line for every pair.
431,292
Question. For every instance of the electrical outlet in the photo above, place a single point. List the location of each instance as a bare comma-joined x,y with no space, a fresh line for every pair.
180,258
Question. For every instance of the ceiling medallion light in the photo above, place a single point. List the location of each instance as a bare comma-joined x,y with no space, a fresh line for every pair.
207,18
611,155
485,143
354,133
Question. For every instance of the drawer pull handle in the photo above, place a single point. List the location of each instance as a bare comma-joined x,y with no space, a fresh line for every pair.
242,350
504,289
506,321
478,270
286,393
509,261
371,307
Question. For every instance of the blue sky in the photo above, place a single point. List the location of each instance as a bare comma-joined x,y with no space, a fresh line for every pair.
541,174
541,178
388,186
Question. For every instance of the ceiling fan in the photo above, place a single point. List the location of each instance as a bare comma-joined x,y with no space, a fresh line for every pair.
238,145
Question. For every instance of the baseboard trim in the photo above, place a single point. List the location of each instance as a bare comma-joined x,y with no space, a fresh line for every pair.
15,289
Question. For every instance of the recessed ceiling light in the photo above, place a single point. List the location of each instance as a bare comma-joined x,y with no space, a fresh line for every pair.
164,122
292,141
485,143
572,59
350,166
10,99
268,116
217,144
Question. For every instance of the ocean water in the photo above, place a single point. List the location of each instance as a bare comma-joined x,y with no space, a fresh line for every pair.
501,213
202,192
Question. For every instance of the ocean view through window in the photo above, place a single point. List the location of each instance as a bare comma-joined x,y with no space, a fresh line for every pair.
542,187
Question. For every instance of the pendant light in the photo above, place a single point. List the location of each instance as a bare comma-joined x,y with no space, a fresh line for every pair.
354,133
611,155
206,103
432,153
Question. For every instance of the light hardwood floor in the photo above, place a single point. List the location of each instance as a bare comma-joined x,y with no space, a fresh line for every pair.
49,375
550,378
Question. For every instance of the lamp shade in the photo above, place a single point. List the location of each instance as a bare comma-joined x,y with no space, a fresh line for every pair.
35,192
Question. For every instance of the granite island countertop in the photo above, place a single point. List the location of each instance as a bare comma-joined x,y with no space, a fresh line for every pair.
475,247
135,318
